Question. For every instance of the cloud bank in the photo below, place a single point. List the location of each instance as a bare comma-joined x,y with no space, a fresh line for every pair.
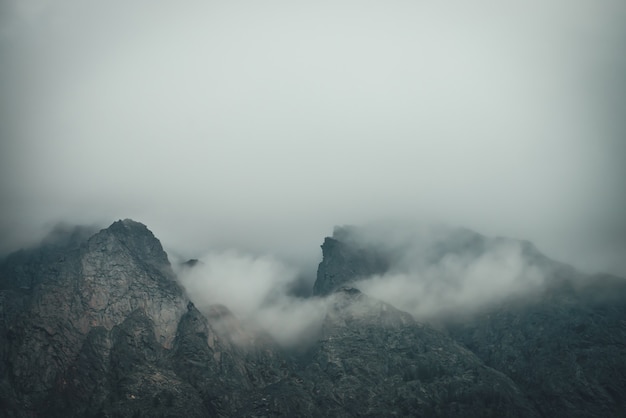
457,284
261,126
435,272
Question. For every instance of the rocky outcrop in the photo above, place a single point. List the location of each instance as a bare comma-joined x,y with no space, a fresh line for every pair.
55,296
223,362
124,268
342,263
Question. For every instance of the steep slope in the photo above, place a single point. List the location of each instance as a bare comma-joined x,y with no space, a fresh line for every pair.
57,298
228,366
566,348
100,327
562,342
377,360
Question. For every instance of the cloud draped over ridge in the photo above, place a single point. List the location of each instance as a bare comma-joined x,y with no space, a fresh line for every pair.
457,284
434,271
437,269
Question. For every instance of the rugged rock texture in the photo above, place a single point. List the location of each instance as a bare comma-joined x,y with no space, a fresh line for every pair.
224,363
563,344
344,262
58,299
566,348
98,326
377,360
95,325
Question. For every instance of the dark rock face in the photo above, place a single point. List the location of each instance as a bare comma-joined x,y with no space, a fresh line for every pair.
565,349
68,299
377,360
100,327
96,325
342,263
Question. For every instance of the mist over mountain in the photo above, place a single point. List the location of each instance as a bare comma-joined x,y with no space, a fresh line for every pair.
99,324
429,270
433,269
458,150
259,129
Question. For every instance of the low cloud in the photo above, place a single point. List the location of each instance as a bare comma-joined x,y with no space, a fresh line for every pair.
242,282
258,290
434,271
457,283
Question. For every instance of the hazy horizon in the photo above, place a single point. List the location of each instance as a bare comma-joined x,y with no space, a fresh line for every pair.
259,127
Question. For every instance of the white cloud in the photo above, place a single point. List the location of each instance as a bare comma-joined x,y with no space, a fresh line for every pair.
458,283
256,290
243,282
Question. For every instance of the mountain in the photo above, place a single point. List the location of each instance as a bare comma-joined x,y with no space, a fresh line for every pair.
96,324
560,339
100,327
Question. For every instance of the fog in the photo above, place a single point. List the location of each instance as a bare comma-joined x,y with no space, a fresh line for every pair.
438,271
256,127
435,272
257,290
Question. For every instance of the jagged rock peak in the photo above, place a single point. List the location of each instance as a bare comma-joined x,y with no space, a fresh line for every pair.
129,226
141,242
344,262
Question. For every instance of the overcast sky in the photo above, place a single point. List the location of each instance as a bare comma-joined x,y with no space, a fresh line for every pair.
261,125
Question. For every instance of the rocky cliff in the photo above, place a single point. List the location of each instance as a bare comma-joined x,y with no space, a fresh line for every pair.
95,324
343,262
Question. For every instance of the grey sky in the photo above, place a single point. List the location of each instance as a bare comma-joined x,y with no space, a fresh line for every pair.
261,125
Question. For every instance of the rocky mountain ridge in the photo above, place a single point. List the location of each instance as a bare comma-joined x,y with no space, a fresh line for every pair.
562,342
96,325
